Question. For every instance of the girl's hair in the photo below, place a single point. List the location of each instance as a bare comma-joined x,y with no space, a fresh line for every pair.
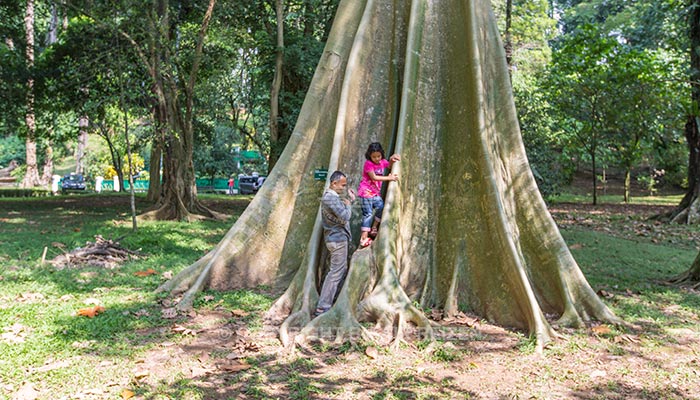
373,148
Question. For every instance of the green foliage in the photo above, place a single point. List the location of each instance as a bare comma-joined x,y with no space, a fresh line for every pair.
11,148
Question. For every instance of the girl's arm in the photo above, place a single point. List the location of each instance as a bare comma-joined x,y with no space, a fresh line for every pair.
382,178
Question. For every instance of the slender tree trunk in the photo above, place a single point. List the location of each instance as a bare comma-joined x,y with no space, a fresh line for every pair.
509,40
594,169
275,137
83,124
464,229
31,177
47,174
51,38
628,175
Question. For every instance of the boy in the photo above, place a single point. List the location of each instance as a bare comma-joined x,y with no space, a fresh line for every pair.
335,213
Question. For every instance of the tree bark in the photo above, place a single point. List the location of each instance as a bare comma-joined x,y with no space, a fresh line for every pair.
628,181
154,186
83,123
508,36
31,176
465,227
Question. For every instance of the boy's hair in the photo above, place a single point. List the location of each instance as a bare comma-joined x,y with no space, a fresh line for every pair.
336,175
373,148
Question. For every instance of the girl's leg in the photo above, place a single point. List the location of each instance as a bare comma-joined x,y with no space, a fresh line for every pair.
367,212
378,205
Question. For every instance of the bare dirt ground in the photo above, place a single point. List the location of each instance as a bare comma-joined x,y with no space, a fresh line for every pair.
482,361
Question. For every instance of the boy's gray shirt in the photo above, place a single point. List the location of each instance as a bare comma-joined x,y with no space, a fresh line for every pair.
335,215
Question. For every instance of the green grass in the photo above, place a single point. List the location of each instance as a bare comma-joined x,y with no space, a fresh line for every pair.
61,352
665,200
633,274
40,301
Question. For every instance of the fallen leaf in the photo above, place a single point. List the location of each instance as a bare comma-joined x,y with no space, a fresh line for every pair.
29,297
127,394
169,313
598,374
576,246
234,366
141,313
90,312
463,319
14,333
627,338
240,313
601,330
52,366
140,374
372,352
167,275
147,272
208,298
183,330
26,392
92,301
199,371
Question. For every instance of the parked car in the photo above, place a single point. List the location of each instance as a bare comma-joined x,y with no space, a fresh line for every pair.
72,182
249,184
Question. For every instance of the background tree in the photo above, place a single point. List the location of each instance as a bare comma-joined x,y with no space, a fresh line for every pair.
471,231
579,89
31,175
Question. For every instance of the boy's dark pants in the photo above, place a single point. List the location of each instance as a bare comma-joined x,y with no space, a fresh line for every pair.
336,273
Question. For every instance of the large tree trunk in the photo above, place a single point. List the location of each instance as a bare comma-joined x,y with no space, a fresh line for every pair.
464,228
688,211
31,177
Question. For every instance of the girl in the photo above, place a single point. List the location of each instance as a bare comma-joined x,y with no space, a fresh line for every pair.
370,190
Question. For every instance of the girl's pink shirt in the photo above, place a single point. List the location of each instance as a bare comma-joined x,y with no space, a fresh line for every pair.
369,188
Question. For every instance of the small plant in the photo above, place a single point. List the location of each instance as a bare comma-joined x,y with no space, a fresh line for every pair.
527,345
446,352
